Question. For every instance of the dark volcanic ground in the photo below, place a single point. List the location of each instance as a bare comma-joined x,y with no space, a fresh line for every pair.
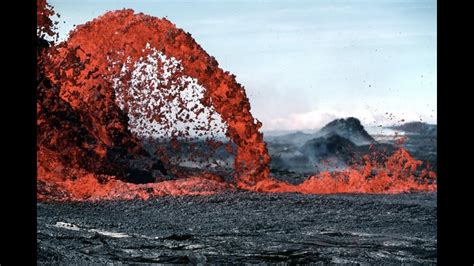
242,227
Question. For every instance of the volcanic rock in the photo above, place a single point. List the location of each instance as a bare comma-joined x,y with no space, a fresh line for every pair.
349,128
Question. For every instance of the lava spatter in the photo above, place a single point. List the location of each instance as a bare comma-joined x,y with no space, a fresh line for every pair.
123,36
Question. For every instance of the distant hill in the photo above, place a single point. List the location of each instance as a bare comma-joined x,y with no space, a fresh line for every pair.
295,138
349,128
341,141
417,128
300,152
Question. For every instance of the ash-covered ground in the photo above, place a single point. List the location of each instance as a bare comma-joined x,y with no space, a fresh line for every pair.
242,227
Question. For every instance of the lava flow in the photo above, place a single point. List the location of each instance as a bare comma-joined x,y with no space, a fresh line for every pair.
123,77
397,174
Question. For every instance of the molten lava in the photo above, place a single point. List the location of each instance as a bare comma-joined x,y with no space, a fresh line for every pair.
124,76
397,174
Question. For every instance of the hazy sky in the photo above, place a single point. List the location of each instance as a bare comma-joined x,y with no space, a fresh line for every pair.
304,63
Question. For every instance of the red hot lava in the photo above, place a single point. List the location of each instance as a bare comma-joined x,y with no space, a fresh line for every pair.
91,108
397,174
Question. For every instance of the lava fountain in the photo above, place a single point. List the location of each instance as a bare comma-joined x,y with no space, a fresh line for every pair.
123,77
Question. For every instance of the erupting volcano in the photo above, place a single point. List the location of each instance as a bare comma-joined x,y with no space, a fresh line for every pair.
125,78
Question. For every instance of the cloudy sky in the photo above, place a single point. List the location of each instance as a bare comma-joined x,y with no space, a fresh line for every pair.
304,63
